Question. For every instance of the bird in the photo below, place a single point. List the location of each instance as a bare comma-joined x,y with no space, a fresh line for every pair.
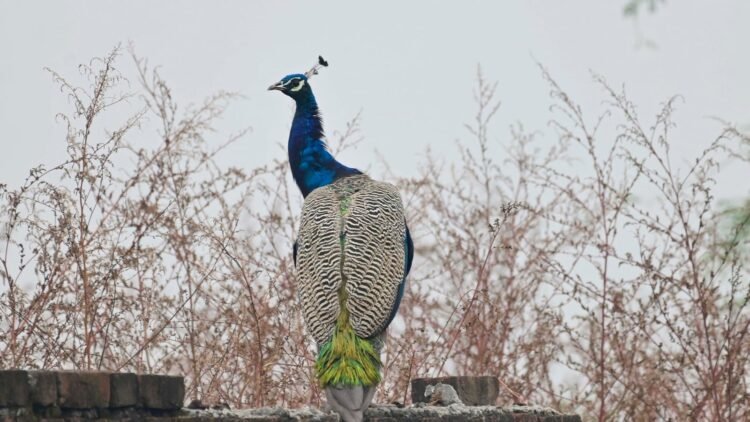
352,255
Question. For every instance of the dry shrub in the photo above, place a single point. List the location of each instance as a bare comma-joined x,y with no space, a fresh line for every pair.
593,273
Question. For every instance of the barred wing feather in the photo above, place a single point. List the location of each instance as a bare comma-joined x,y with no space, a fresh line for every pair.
319,262
373,256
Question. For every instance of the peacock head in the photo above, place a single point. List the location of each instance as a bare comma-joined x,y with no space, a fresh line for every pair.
294,85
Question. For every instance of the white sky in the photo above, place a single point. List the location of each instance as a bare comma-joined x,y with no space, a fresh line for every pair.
409,66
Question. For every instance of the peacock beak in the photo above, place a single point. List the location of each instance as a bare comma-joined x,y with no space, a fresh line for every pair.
278,86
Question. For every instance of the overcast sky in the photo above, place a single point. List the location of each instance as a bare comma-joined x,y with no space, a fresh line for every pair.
409,66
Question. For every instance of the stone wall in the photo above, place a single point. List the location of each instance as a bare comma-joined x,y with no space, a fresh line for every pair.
65,394
72,396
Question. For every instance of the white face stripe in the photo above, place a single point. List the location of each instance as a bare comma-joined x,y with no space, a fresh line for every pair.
298,87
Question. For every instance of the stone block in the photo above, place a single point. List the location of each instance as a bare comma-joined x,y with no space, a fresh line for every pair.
161,392
123,390
83,390
473,391
14,388
43,388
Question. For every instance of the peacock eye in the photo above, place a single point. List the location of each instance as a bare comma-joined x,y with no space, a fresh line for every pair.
296,85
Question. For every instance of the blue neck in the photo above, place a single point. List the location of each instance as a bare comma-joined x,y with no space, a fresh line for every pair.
312,165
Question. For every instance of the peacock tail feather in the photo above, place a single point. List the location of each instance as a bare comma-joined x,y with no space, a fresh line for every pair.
347,359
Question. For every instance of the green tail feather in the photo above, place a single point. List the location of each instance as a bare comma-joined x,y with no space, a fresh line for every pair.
347,359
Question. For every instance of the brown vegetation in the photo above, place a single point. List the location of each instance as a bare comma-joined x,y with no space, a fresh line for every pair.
592,273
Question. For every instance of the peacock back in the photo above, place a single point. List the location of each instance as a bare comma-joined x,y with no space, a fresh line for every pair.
351,253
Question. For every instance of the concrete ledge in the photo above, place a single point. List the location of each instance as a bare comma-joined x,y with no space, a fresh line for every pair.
417,413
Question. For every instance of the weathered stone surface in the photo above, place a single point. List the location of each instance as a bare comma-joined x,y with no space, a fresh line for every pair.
43,388
473,391
307,414
83,390
14,388
123,390
419,413
161,392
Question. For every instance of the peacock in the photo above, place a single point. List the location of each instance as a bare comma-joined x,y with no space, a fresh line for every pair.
352,255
